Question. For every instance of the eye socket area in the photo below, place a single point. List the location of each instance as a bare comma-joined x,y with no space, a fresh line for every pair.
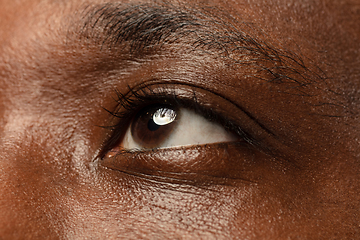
160,126
195,130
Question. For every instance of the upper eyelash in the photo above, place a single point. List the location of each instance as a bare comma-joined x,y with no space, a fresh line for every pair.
142,97
137,99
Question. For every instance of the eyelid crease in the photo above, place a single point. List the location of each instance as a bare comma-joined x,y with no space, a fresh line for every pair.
186,164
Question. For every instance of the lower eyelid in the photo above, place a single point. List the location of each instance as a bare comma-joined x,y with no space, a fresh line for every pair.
208,162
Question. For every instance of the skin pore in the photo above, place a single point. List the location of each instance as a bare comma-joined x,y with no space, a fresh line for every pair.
283,76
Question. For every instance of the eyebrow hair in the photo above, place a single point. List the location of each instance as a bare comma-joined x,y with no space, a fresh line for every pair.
149,26
140,26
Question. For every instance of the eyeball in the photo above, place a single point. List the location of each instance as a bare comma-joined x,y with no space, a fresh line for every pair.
164,126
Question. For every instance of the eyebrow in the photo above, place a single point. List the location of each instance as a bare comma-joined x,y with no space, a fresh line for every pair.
141,26
149,26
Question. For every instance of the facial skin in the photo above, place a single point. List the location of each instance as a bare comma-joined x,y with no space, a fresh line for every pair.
284,72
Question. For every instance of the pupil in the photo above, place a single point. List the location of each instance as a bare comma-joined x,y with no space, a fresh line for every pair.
152,126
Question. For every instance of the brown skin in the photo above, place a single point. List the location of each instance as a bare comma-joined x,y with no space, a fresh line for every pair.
299,180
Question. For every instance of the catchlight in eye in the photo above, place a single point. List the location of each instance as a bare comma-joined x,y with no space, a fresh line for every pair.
153,125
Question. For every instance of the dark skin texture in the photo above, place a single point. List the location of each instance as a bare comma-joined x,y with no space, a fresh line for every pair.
284,72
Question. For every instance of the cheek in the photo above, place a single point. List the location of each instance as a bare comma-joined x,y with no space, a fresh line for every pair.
267,196
33,187
134,207
44,159
140,207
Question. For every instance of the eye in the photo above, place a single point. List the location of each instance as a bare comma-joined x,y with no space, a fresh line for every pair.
164,126
178,133
173,117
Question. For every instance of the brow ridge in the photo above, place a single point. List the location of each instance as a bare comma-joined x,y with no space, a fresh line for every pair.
150,26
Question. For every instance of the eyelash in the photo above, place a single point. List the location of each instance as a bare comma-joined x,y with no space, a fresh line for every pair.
128,105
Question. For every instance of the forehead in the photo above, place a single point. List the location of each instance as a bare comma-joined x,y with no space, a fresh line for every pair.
298,25
274,16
